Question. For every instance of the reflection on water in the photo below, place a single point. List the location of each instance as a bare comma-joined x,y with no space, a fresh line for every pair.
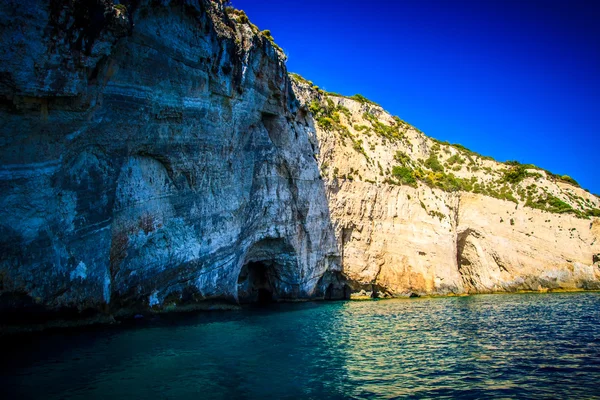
488,346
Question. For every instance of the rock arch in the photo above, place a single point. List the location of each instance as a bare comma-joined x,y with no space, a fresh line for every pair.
333,285
269,272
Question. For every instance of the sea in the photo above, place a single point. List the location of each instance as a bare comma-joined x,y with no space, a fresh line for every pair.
500,346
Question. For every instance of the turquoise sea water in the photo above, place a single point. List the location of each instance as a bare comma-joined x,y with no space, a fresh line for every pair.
479,347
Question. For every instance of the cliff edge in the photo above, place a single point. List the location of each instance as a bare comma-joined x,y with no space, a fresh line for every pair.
417,216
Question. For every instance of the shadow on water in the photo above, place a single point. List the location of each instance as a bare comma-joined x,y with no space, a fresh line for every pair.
29,347
218,355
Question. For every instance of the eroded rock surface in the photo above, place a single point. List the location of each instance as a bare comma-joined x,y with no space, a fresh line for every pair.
149,151
157,156
415,216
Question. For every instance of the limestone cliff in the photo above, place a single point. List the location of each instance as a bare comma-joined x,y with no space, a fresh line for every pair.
416,216
153,156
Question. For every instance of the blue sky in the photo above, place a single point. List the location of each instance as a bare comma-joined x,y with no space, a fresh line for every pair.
515,80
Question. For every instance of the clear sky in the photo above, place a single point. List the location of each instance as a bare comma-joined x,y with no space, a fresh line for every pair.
515,80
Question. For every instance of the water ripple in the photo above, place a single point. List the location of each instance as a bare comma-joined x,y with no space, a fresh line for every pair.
488,346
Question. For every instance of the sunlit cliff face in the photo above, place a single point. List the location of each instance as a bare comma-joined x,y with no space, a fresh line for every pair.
415,216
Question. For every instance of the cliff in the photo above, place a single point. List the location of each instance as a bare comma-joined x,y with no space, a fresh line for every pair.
416,216
156,156
153,157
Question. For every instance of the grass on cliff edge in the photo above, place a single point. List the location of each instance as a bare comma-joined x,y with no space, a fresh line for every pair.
240,17
431,171
513,175
363,100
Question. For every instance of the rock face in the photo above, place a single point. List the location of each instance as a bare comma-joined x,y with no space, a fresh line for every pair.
414,216
156,154
151,151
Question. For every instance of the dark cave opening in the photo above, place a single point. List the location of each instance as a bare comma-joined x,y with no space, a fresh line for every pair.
329,292
337,292
265,296
254,283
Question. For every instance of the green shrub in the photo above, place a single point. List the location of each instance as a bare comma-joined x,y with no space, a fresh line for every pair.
400,122
402,158
434,164
436,213
267,34
556,205
315,107
463,148
512,162
239,14
344,111
330,104
515,174
362,99
548,203
326,123
404,175
335,116
300,78
568,179
358,146
455,159
594,212
386,131
450,183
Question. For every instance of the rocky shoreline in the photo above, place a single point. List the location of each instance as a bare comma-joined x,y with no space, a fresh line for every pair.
157,156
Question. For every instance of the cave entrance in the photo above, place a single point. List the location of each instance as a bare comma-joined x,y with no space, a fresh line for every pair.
254,283
269,273
337,292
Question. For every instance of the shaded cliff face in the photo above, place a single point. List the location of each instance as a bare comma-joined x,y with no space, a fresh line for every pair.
151,153
416,216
